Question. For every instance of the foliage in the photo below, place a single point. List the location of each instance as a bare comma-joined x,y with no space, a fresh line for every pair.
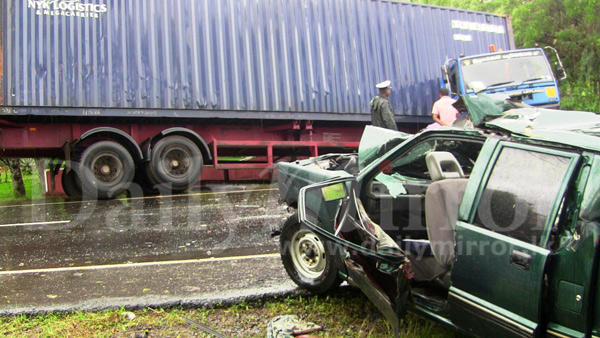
27,166
571,26
580,96
17,171
32,188
14,166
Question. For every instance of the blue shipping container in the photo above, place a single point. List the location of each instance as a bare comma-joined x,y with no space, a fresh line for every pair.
309,59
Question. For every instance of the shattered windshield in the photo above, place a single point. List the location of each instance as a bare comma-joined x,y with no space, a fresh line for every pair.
505,69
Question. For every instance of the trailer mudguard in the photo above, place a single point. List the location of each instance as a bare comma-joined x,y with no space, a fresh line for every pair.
118,135
192,135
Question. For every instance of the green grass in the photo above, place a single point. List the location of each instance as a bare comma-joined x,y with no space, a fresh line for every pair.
342,313
32,188
235,158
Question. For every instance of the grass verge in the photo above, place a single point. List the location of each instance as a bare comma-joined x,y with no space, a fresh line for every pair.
33,189
342,313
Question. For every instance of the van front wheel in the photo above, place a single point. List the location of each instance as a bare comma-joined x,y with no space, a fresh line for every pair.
307,257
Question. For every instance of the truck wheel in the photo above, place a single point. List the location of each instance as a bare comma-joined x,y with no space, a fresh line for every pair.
105,170
307,257
177,161
70,185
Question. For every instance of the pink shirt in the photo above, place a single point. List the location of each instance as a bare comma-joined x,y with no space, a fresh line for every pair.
443,107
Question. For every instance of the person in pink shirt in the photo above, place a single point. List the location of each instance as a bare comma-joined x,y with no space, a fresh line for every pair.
443,112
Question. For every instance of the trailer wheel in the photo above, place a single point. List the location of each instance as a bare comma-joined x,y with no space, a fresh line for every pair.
70,184
175,161
105,170
307,258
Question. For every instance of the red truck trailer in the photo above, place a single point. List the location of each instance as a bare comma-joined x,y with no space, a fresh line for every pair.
166,92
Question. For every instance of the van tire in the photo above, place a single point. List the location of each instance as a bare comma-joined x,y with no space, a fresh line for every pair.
307,257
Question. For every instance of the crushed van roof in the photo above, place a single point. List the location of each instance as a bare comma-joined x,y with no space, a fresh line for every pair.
575,128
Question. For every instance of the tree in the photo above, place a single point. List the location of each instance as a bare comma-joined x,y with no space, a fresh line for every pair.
40,165
14,165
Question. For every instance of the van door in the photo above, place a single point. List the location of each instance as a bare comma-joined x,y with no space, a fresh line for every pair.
505,222
373,261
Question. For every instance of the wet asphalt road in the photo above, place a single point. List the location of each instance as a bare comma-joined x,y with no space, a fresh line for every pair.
206,246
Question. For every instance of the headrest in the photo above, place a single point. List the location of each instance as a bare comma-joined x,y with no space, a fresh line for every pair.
443,165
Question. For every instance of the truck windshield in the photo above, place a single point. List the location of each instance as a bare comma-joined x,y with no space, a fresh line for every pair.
489,71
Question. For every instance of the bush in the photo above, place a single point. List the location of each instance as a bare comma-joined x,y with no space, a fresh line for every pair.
579,96
27,166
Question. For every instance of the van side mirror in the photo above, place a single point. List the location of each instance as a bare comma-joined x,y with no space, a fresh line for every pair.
444,73
561,73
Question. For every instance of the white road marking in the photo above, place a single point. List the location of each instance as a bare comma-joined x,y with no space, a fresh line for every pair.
33,223
142,264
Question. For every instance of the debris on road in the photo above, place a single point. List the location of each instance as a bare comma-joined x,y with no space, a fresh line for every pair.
129,315
204,328
289,326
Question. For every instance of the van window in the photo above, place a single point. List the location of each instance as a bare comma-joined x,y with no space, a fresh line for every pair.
520,193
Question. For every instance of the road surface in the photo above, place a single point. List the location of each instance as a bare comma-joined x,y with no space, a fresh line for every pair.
200,248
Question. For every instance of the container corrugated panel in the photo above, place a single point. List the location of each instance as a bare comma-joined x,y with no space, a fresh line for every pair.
2,29
319,57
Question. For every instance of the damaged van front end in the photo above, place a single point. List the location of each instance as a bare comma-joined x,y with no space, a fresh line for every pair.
372,261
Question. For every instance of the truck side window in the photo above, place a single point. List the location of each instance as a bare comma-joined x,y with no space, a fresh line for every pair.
452,74
520,193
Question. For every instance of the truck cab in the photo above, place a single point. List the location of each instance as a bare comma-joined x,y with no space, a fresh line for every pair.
525,75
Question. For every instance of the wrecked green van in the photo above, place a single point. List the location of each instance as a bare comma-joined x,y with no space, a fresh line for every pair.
493,230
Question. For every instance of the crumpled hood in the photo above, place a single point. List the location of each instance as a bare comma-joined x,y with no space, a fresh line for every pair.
576,128
375,142
525,120
482,107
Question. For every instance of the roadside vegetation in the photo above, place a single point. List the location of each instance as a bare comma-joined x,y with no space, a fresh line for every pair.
342,313
33,188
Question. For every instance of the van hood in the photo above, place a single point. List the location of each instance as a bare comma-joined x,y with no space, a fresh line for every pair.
375,142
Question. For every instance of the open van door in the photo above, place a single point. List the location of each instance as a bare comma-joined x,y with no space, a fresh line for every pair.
372,260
